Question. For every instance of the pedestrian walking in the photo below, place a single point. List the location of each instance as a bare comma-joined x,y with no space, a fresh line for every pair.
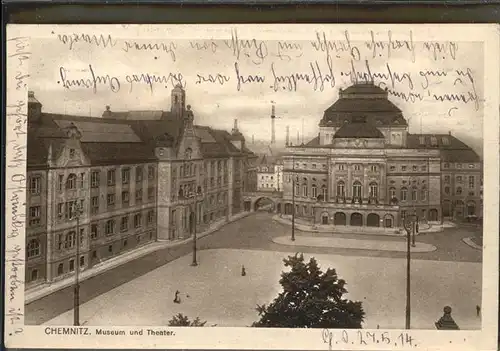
177,299
478,310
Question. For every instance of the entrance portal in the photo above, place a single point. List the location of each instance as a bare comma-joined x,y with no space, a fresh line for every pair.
356,219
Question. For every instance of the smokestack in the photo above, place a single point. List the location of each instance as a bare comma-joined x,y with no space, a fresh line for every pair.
298,138
273,131
287,142
302,131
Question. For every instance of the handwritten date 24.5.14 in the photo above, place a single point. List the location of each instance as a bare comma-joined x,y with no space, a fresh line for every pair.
338,338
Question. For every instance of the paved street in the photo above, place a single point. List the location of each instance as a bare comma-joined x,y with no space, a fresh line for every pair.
251,233
216,292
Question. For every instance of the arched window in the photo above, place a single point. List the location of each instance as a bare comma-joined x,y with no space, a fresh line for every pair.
198,190
188,153
314,191
60,269
374,190
304,188
341,189
404,194
414,194
33,248
323,192
447,190
356,189
181,192
71,181
459,191
392,193
297,188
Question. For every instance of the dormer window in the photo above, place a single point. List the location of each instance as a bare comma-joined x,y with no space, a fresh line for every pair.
446,141
421,140
72,153
434,141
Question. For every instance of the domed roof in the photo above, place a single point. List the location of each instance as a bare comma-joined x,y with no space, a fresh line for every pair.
364,99
358,129
364,88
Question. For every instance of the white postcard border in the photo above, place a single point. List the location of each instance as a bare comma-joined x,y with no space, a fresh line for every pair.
17,335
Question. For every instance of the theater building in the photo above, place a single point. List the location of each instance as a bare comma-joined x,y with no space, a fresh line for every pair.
124,180
365,171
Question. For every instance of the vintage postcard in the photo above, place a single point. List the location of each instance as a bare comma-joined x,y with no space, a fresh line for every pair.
319,187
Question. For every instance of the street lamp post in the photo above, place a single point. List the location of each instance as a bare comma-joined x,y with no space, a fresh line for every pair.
409,225
76,285
195,209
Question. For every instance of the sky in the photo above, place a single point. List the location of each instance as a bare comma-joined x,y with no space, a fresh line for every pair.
216,73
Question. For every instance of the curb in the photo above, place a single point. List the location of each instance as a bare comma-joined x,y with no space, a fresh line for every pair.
103,267
311,229
471,243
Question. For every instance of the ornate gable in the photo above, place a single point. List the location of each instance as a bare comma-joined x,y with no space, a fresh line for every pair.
71,154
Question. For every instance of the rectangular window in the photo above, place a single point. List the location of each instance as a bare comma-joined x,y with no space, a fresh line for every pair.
125,197
82,235
82,180
110,227
125,176
304,190
110,199
60,210
72,153
374,168
94,179
447,179
95,204
35,185
138,195
459,165
403,168
138,174
151,172
151,194
71,264
459,179
124,224
471,165
471,182
35,215
60,182
94,231
151,217
111,177
138,220
446,165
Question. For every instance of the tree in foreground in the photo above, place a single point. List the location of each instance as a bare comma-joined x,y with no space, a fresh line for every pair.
310,299
180,320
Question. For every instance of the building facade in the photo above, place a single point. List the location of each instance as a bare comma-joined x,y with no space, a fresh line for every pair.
364,169
124,180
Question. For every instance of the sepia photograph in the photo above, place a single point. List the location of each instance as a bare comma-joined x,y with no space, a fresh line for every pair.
233,177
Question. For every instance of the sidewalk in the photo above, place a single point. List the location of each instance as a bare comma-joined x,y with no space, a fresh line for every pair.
341,243
319,228
471,243
39,291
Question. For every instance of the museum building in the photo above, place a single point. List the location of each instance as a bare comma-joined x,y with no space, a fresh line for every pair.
125,180
364,169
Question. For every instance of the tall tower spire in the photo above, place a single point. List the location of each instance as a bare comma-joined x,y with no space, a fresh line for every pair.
287,142
273,131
